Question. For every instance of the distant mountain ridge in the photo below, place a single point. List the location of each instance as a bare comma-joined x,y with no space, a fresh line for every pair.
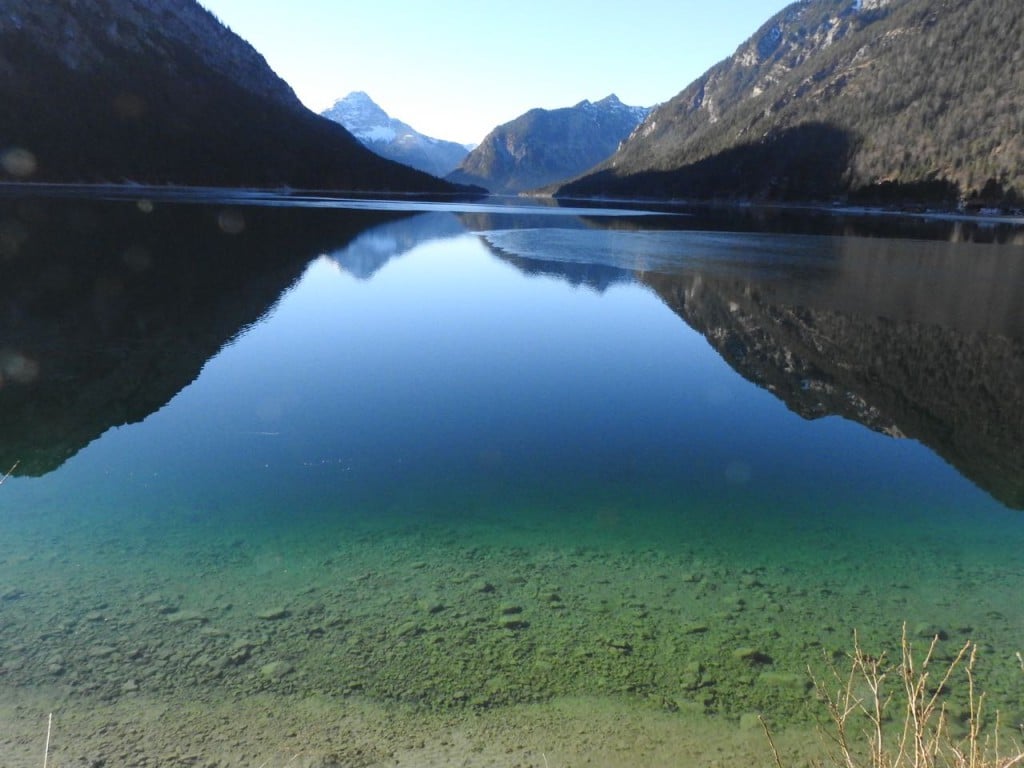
159,91
833,97
393,139
543,146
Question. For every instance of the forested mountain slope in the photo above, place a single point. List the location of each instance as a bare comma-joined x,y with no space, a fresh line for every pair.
546,146
159,91
829,97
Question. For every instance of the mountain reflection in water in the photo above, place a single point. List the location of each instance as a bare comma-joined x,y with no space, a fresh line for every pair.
108,310
910,338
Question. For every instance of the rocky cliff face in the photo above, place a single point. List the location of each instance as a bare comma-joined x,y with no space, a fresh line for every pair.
157,91
895,91
84,34
546,146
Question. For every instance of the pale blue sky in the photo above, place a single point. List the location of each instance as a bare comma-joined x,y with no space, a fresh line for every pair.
455,69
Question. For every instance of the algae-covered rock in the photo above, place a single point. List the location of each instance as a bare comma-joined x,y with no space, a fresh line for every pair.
788,681
432,606
275,670
750,721
273,614
927,631
753,656
408,628
186,617
691,676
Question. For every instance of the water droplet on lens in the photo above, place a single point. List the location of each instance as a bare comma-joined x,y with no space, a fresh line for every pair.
231,222
18,162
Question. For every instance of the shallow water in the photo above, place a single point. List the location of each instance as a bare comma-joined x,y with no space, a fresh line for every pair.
484,461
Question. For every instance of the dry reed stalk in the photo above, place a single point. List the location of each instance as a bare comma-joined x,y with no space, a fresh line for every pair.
10,471
771,742
46,752
923,739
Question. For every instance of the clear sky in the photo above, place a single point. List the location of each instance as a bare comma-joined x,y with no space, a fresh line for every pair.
455,69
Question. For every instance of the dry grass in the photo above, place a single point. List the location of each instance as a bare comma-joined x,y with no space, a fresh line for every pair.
893,714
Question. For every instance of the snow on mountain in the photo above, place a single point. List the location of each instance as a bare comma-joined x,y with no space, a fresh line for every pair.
393,139
611,105
161,92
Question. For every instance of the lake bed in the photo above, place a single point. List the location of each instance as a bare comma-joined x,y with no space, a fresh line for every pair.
499,485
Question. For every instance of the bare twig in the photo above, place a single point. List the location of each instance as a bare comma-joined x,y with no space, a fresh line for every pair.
10,471
49,726
771,742
921,739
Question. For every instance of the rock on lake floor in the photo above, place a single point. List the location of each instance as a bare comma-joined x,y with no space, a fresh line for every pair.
392,641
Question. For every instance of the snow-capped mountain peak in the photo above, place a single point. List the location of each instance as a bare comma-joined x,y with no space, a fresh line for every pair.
391,138
365,119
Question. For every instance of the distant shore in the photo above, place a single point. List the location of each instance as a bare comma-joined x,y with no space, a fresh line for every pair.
908,209
287,196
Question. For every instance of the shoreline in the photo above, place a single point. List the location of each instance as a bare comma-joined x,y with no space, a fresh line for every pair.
817,207
320,732
286,195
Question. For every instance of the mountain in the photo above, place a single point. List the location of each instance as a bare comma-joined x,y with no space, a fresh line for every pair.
392,138
874,98
544,146
895,359
159,91
108,311
859,338
371,250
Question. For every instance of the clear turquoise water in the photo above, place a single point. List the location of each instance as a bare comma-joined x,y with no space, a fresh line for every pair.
464,400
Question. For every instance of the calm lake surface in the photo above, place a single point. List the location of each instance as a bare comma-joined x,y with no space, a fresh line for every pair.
361,483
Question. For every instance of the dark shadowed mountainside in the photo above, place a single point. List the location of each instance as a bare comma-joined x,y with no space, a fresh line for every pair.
545,146
890,99
858,336
159,91
889,357
108,310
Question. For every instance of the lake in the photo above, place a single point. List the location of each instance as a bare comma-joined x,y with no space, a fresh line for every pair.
306,482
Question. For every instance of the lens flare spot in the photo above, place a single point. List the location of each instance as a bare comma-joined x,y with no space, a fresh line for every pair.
738,473
18,162
17,368
137,258
12,235
129,106
231,221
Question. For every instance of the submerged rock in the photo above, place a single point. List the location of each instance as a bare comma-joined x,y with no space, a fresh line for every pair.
273,614
482,586
275,670
186,617
790,681
928,631
751,655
